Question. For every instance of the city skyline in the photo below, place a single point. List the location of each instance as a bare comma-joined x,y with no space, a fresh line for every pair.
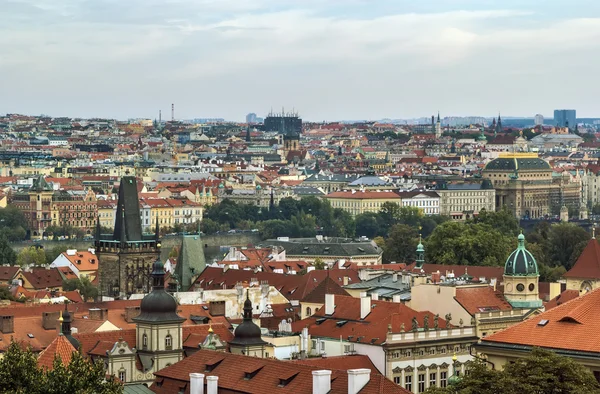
333,61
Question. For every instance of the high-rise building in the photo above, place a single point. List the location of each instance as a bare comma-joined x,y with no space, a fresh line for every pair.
565,118
539,119
251,118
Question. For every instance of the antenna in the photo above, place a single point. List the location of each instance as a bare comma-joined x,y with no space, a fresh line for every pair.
172,112
159,116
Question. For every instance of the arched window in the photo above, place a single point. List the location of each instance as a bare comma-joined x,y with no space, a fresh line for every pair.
169,342
144,341
308,311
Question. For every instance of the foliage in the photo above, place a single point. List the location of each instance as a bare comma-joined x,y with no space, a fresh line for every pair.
319,264
541,372
7,253
12,224
401,245
468,243
5,294
369,224
557,245
65,230
31,256
19,373
85,287
502,220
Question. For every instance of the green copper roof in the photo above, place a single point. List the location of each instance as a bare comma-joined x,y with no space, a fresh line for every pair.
521,262
40,185
190,262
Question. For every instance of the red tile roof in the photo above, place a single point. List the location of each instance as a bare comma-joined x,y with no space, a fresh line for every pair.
231,370
372,329
573,326
588,263
481,299
356,361
60,346
8,273
292,287
327,286
362,195
563,297
459,270
42,278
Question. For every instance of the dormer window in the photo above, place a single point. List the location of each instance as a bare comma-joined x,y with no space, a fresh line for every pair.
144,341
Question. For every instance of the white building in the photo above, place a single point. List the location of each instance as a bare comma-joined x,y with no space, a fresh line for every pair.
539,119
428,202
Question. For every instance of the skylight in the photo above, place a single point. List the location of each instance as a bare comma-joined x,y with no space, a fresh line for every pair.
542,322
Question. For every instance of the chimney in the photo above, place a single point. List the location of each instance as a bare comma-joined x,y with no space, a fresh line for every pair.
98,314
396,298
321,382
131,312
196,383
217,308
365,306
395,277
49,320
7,324
212,385
329,304
346,279
374,296
357,379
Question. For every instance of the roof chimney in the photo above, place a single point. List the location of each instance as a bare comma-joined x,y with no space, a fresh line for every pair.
374,296
321,382
357,379
329,304
212,385
365,306
196,383
395,277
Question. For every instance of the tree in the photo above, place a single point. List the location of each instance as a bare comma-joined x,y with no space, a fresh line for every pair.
503,221
468,244
31,256
367,224
563,240
541,372
5,294
7,253
319,264
85,287
19,373
209,226
401,245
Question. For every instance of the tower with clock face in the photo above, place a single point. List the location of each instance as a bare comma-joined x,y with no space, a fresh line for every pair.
521,278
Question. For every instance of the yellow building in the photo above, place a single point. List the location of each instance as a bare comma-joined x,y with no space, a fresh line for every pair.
356,202
106,213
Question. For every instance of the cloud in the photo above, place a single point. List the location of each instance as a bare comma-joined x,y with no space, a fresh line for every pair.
334,59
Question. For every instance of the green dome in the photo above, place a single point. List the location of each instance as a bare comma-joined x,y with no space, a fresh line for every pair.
221,186
420,247
521,262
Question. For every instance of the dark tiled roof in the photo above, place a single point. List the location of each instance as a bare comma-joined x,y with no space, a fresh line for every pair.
310,248
511,164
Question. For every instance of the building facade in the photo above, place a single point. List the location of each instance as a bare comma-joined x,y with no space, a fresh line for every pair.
565,118
356,202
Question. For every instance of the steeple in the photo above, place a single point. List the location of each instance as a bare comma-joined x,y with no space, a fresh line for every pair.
499,124
420,254
66,321
123,230
438,118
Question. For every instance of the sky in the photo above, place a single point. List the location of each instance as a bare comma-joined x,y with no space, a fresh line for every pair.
327,59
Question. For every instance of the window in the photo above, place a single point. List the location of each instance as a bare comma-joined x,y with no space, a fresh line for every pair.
443,378
408,382
432,379
122,375
144,341
421,382
397,379
308,311
346,348
169,342
322,346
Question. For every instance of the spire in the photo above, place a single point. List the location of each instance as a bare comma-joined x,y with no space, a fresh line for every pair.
158,275
438,118
66,321
60,323
248,307
420,253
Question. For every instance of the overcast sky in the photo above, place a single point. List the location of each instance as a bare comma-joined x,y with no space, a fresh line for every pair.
328,59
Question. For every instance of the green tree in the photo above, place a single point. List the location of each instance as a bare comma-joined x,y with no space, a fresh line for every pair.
565,243
12,224
468,244
85,287
19,371
541,372
209,226
368,224
31,256
5,294
401,245
503,221
319,264
7,253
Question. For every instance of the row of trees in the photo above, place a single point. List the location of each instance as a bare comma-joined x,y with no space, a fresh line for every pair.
12,224
20,373
29,256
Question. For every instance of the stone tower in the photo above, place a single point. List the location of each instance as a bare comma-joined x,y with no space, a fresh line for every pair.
521,278
125,257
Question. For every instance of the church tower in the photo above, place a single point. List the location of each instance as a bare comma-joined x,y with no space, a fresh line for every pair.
420,254
521,278
247,336
159,341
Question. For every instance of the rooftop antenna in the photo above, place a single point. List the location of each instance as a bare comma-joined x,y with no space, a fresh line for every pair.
172,112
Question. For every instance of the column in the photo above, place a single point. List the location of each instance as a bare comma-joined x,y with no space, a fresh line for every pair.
402,378
426,378
438,376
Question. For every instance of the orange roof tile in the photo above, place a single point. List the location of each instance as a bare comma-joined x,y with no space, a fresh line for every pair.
61,347
577,317
481,299
563,297
588,263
